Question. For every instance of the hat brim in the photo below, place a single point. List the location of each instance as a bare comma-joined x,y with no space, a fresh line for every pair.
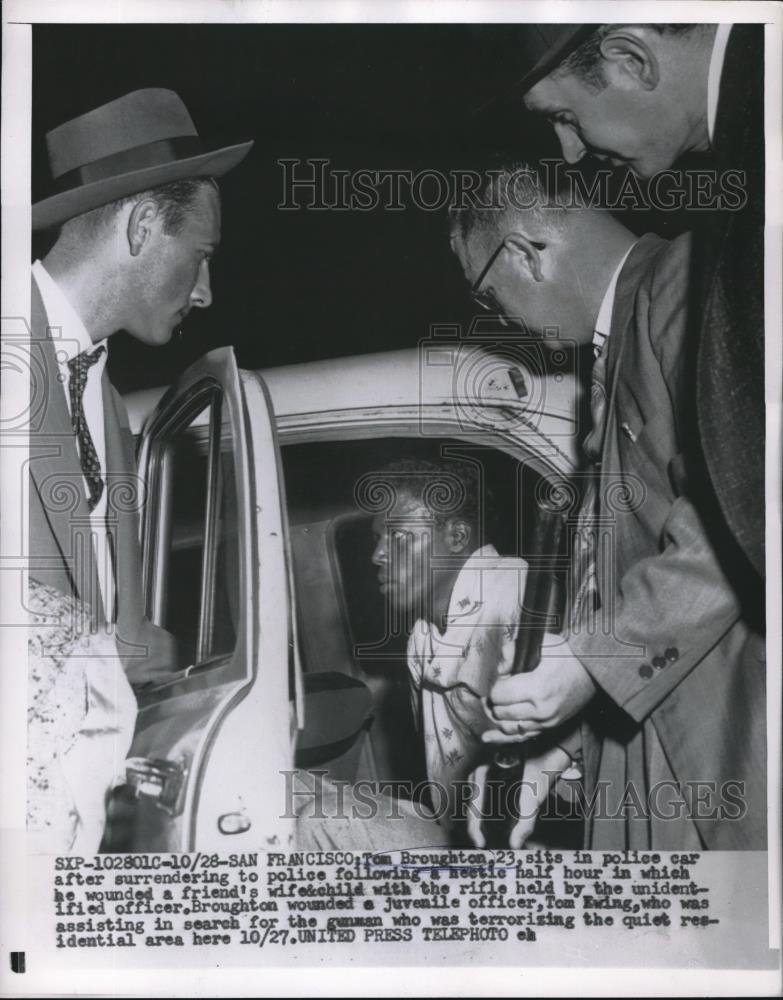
552,58
58,208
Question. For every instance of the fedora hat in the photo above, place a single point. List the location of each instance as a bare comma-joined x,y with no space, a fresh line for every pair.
535,49
140,141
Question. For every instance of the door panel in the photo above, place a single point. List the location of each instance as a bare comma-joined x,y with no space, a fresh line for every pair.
243,795
211,744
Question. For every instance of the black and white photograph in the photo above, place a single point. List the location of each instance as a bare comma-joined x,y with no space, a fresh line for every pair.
391,484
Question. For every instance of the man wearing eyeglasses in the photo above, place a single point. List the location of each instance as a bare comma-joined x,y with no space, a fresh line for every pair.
644,96
655,658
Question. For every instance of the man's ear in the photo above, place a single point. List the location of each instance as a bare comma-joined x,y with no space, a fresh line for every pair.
627,52
144,215
519,244
458,535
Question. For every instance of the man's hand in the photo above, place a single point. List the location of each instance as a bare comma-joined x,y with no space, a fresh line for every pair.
523,705
145,674
160,664
540,774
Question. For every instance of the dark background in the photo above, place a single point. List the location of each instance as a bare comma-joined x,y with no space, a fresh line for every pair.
294,286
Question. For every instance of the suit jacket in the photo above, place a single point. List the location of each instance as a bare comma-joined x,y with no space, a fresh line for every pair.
728,314
61,553
680,673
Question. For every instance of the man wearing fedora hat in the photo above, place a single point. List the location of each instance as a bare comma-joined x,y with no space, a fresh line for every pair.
641,96
137,210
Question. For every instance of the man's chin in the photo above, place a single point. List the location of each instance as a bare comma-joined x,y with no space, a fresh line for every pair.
643,169
391,593
154,336
392,598
161,337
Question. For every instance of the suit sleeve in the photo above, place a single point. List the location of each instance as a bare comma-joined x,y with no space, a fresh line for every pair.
673,603
668,612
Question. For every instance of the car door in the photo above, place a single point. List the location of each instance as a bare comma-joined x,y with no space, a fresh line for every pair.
207,768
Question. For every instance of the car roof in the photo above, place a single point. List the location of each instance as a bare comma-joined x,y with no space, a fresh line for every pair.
432,375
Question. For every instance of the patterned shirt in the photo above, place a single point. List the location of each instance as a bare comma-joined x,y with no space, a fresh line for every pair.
452,671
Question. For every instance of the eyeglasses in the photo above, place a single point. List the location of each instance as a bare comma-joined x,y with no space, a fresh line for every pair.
486,299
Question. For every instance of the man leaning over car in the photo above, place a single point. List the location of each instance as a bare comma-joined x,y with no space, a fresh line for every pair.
657,658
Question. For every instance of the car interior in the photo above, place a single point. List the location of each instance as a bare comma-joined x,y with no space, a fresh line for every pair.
359,721
344,624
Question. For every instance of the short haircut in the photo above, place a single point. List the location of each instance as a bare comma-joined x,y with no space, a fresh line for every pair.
586,62
449,489
508,191
175,201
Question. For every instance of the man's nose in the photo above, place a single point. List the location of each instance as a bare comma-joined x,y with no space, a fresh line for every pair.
379,552
572,146
201,296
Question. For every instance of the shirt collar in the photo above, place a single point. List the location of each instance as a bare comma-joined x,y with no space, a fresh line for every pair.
719,44
467,586
603,323
73,338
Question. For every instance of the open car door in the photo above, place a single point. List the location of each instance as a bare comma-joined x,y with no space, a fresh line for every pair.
212,745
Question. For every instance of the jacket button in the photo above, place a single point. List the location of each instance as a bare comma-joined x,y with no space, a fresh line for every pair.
672,654
659,661
645,671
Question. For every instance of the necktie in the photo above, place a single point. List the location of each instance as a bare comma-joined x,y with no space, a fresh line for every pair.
584,588
79,368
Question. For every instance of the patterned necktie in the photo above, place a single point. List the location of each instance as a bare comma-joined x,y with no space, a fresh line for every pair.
584,587
91,467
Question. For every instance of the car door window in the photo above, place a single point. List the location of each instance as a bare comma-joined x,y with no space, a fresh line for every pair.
216,573
192,556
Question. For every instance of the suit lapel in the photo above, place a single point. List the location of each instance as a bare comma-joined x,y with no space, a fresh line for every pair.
628,282
124,498
622,316
55,469
634,269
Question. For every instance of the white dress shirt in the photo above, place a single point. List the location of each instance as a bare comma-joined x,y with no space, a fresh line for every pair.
70,338
603,323
713,78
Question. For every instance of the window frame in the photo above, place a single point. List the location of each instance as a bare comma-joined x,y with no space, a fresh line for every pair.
206,394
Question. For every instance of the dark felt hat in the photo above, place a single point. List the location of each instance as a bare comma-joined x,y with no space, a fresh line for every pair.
533,50
140,141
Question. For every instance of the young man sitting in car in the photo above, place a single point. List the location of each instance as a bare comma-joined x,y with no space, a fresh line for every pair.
460,601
